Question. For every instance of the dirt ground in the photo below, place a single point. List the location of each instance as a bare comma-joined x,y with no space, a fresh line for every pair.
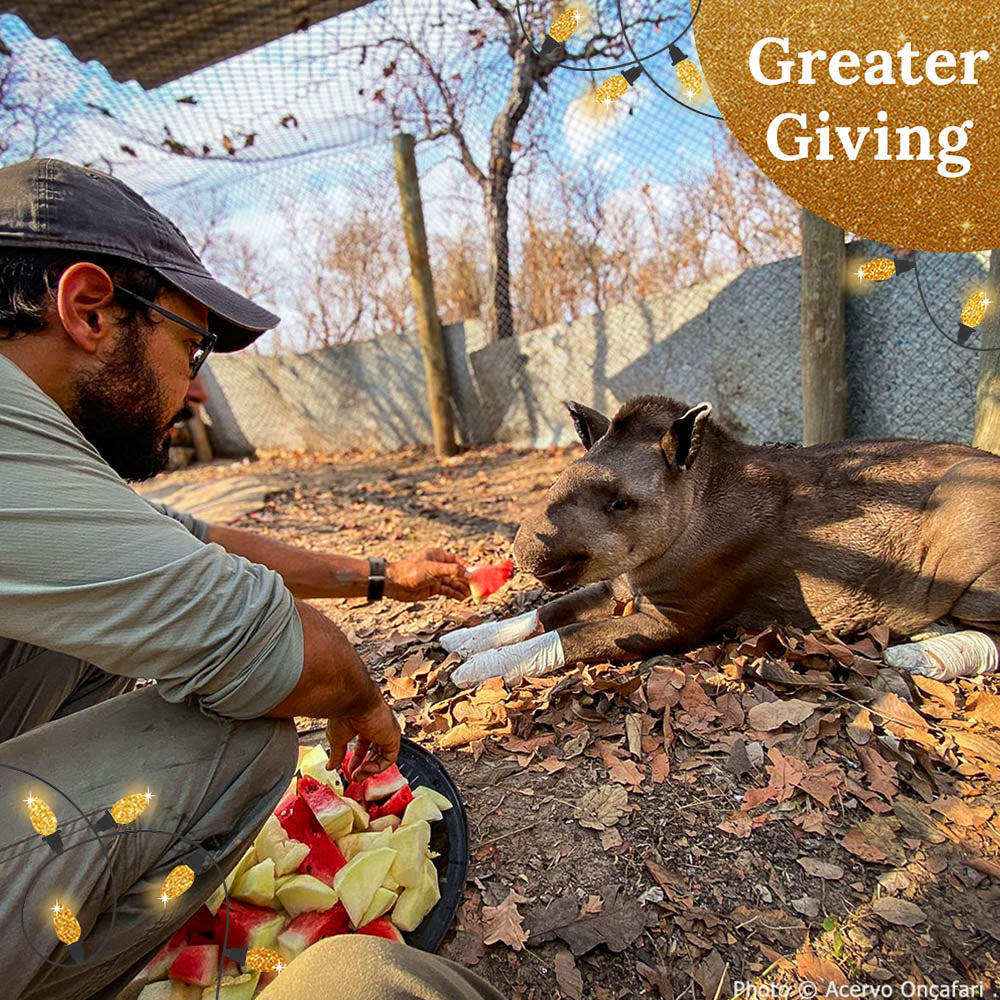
779,808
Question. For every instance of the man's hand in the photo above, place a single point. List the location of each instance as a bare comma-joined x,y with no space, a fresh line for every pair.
427,574
378,740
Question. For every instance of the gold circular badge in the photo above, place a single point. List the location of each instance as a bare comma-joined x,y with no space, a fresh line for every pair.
882,117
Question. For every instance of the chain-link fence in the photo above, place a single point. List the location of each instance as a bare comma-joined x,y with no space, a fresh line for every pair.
579,249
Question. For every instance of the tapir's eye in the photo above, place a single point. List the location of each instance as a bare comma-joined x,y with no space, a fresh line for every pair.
620,504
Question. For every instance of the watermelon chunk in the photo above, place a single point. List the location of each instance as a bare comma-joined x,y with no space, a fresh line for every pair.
164,958
308,928
486,580
393,806
249,926
384,784
198,964
355,791
333,813
323,860
201,927
382,928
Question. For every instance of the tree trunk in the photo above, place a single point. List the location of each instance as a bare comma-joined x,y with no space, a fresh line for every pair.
428,323
824,370
500,314
987,432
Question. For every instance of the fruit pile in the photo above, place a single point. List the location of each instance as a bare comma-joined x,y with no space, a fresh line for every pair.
330,860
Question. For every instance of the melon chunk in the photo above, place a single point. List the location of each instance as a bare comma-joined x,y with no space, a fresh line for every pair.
417,901
441,801
333,812
198,964
410,844
257,885
423,807
302,893
313,763
164,958
170,989
391,884
383,784
357,881
382,902
308,928
272,842
233,987
218,897
355,843
361,817
389,822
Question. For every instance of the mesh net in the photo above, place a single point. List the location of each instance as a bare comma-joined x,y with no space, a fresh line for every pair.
589,250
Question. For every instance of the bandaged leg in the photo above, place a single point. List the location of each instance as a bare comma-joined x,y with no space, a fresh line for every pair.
531,658
948,656
491,635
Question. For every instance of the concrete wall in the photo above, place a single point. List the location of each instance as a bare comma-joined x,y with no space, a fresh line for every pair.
733,341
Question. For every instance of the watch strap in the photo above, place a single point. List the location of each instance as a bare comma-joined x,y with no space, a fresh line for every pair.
376,579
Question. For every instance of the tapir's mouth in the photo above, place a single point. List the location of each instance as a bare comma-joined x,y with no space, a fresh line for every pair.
564,575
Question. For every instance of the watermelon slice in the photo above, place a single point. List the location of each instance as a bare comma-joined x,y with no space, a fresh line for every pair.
170,989
382,928
394,805
308,928
303,893
198,964
333,813
323,860
486,580
201,927
164,958
355,791
384,784
249,926
233,987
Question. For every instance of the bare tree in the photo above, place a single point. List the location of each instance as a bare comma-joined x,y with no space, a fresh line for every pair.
431,85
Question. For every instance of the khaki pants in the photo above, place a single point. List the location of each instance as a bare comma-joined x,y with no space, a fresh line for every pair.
86,744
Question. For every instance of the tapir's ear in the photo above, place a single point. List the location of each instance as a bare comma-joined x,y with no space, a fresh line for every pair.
683,441
590,425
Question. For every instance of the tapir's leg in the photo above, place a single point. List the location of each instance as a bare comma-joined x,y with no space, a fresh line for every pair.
979,606
626,638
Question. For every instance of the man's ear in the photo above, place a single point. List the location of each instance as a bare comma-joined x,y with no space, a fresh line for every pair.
590,425
682,442
84,299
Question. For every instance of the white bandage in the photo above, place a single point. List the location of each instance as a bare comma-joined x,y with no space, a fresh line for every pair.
945,657
525,659
490,635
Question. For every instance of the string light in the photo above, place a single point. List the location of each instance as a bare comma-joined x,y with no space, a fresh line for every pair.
616,85
883,268
43,819
131,807
560,30
686,71
972,315
264,960
177,883
66,925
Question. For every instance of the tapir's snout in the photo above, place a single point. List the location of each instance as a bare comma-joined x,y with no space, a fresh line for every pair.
554,568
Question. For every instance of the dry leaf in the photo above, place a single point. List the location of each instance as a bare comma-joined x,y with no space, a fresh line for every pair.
821,869
856,843
602,807
774,714
618,924
625,772
633,735
568,975
820,971
610,839
504,923
859,729
901,912
658,978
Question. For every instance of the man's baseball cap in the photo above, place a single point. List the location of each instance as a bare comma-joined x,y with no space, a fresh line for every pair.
51,205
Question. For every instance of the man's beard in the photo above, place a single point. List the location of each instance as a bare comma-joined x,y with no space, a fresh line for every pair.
119,410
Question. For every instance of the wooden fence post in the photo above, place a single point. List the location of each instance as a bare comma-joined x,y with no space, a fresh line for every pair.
987,432
428,323
824,367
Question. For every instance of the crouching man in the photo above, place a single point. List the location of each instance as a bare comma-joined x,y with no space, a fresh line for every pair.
106,315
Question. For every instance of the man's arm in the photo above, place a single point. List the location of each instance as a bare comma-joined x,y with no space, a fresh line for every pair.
310,574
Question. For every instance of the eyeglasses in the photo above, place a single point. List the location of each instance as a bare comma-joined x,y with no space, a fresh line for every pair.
201,351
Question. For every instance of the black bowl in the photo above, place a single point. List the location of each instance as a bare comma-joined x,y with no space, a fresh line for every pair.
449,838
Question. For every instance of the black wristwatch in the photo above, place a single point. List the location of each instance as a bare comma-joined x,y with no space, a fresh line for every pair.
376,579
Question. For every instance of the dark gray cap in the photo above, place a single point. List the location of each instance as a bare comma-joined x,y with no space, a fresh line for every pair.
52,205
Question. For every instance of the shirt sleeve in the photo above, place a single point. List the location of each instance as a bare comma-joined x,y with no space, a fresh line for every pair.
91,569
197,527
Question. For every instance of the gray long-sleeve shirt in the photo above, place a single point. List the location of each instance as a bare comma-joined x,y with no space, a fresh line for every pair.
91,569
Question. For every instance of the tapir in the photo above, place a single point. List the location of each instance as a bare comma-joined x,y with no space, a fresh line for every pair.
698,532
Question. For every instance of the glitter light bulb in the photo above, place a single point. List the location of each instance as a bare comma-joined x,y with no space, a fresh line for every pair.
616,85
131,807
972,315
560,30
66,925
43,819
177,883
687,72
883,268
264,960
